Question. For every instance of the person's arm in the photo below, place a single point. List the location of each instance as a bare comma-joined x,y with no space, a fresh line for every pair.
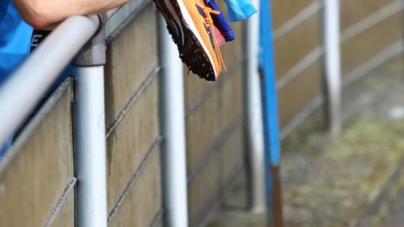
42,13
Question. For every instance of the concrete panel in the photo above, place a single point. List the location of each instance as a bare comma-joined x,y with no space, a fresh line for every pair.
203,191
39,167
132,55
232,52
213,116
66,214
129,142
358,50
353,11
299,92
232,157
297,44
284,10
207,188
144,198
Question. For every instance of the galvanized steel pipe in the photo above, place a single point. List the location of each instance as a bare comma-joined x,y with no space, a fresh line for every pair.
173,131
252,100
90,133
332,65
90,147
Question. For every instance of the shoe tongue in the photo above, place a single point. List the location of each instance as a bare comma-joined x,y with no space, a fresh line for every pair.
219,37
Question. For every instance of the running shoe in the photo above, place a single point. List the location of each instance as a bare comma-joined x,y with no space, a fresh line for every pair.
191,26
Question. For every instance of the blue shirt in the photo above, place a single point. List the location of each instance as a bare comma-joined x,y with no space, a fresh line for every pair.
15,39
15,45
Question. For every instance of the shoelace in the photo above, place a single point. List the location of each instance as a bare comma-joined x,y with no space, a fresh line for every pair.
209,23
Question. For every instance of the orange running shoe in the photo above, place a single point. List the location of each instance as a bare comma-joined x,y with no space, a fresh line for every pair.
190,24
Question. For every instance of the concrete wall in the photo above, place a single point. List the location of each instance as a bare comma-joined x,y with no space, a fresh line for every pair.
37,180
37,177
215,134
371,33
133,167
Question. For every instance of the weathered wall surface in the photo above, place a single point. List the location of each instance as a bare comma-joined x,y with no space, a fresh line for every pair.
37,176
371,32
215,135
37,180
132,107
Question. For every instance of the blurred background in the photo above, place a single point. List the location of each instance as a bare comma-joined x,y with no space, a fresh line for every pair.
355,179
352,179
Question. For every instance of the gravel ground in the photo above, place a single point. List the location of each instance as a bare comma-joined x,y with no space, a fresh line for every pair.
355,180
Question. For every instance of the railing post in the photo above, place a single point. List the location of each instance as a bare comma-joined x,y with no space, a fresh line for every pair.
173,130
332,65
271,121
90,134
252,102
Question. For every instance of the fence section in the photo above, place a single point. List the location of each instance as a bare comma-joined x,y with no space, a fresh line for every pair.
371,34
132,117
39,170
297,41
37,175
215,133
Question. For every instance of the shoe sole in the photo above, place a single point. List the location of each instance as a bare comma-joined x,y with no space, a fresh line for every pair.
192,52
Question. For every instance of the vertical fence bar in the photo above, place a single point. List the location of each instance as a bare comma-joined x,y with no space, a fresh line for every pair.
270,113
173,130
331,39
253,104
90,134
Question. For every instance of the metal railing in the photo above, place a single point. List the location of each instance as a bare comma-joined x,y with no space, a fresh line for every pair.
85,36
64,42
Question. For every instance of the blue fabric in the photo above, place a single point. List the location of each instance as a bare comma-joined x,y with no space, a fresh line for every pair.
5,147
239,9
221,23
15,40
269,99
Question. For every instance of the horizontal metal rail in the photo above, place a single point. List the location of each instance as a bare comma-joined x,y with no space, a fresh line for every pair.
20,94
22,91
26,87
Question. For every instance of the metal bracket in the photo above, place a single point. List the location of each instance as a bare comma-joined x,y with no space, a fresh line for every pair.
94,52
103,18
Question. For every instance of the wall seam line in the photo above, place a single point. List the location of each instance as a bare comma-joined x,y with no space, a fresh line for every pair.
215,146
299,18
34,123
371,20
69,188
134,177
132,100
209,90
